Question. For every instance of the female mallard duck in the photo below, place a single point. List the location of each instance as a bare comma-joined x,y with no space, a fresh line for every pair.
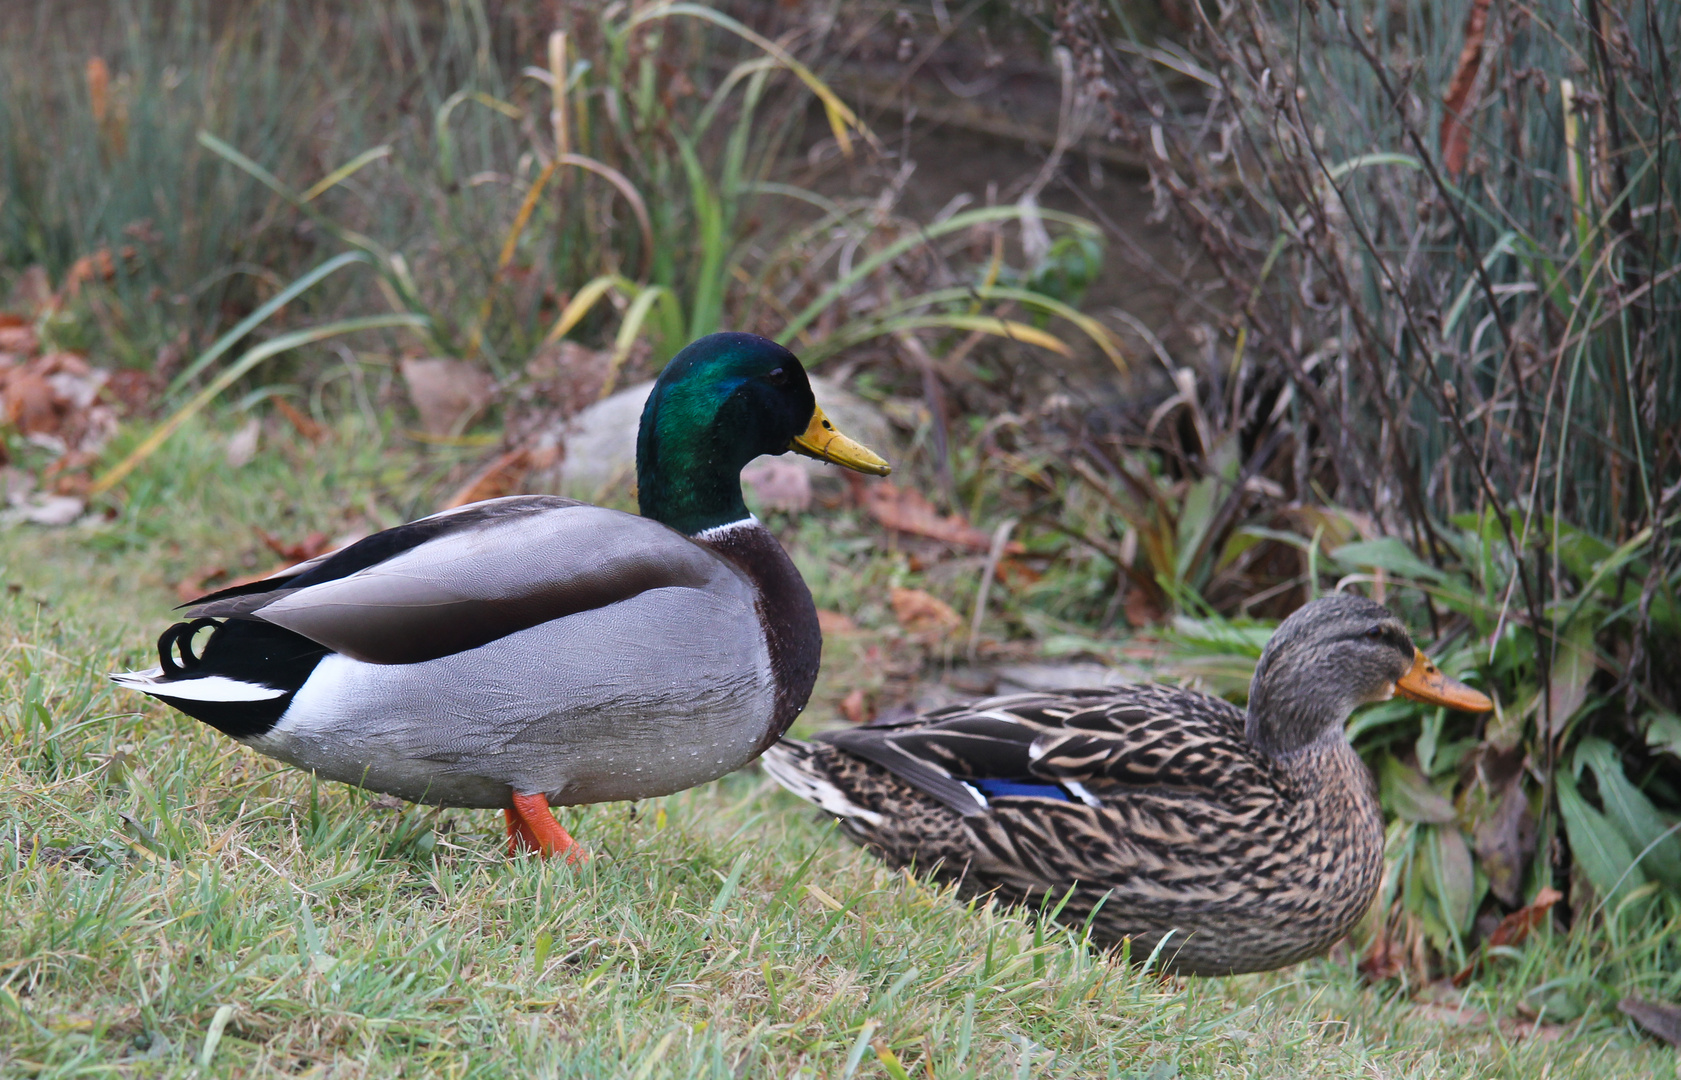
1238,842
533,651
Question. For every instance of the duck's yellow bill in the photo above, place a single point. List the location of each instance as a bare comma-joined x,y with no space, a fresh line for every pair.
1425,682
822,441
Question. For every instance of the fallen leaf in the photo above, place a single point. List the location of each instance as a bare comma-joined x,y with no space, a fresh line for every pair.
44,508
308,548
568,375
197,583
1455,132
68,475
1142,609
1516,926
54,400
856,708
501,477
447,393
1383,959
98,266
17,336
906,510
923,615
132,389
1513,929
833,622
1015,572
27,402
779,484
306,427
1654,1017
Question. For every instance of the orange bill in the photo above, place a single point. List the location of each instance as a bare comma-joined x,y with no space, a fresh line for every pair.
1425,682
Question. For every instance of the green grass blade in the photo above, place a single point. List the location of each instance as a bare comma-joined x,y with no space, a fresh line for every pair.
255,319
227,377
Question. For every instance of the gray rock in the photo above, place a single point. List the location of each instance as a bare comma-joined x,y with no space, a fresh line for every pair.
600,441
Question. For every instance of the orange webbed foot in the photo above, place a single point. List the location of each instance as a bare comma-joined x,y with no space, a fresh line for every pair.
532,827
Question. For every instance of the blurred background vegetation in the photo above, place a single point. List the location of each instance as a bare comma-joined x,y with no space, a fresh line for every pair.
1183,313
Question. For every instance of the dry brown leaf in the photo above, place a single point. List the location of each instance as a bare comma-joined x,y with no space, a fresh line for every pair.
96,267
568,375
197,583
923,615
194,585
306,427
833,622
132,390
1654,1017
906,510
1456,132
1141,608
29,404
1384,958
857,708
1516,926
308,548
447,393
1513,929
17,337
57,397
501,477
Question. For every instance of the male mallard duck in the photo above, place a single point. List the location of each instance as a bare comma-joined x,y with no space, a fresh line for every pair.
533,651
1253,839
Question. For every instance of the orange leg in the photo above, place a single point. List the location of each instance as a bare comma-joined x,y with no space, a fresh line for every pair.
532,827
520,836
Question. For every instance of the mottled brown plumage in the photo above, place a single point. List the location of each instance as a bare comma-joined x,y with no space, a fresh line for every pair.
1236,841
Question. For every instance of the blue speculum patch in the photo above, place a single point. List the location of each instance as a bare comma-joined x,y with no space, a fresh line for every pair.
994,789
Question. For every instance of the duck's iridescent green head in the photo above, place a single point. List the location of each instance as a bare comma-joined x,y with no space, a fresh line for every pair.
721,402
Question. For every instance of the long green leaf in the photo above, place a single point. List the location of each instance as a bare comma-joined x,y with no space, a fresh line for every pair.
226,378
255,319
1453,877
707,306
955,223
1407,795
1050,305
1386,553
1650,837
1600,850
986,324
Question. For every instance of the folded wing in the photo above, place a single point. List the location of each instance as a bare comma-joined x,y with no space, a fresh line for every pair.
458,580
1077,745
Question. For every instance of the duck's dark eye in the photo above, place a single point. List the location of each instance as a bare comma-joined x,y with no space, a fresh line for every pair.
777,377
1375,633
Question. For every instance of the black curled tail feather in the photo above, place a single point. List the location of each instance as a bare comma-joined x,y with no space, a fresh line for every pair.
243,650
180,636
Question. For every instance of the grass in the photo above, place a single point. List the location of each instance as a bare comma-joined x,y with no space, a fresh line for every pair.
172,904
